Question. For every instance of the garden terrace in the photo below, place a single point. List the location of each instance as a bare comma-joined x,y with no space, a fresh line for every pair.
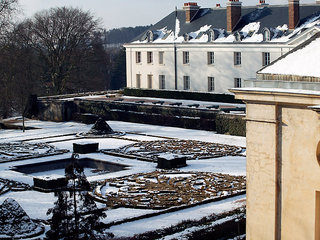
127,220
191,114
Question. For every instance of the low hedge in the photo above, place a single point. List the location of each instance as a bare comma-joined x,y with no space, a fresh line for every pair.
233,125
198,96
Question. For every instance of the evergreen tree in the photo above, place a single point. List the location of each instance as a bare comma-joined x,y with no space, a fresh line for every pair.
75,215
118,73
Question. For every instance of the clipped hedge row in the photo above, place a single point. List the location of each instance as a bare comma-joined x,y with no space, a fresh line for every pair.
233,125
198,96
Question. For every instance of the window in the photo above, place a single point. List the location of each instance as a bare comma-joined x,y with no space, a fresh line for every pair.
266,35
186,37
149,57
237,58
161,57
237,36
162,81
186,82
237,82
210,58
138,80
150,81
138,57
211,36
265,58
149,36
210,84
185,57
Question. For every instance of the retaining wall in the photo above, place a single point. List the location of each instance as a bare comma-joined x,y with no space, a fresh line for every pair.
53,109
150,114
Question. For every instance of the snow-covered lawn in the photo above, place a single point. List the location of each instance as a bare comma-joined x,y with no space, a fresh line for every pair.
63,135
168,219
179,133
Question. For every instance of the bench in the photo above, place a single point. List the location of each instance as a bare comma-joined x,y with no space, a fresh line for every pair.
158,102
236,109
213,106
193,105
175,104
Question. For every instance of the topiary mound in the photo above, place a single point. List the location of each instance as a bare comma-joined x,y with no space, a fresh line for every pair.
101,127
15,223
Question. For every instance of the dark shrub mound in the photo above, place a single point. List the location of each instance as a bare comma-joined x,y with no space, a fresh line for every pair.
101,127
14,221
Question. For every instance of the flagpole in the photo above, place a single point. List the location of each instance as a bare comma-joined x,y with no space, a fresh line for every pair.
175,52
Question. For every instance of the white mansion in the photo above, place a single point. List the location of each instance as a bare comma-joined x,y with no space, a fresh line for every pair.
215,49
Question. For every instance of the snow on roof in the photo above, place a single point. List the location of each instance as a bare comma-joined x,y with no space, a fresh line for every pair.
177,29
302,62
250,28
278,91
311,22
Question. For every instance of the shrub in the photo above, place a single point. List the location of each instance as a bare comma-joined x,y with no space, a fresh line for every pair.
199,96
233,125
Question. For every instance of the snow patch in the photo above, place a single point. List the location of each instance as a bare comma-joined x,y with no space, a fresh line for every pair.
249,28
177,28
303,62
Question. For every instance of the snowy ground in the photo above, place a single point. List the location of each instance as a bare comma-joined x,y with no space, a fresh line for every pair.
63,135
166,220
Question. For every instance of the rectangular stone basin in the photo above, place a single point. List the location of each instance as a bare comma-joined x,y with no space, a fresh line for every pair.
56,168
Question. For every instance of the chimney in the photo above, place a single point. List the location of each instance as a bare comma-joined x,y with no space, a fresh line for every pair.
294,14
233,14
262,3
191,10
218,5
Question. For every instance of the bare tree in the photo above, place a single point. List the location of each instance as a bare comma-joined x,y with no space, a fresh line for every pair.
7,8
62,37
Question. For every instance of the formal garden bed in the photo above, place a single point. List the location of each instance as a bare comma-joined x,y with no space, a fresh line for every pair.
166,189
191,149
9,185
22,150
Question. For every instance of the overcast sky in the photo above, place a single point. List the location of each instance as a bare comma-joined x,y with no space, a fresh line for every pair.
128,13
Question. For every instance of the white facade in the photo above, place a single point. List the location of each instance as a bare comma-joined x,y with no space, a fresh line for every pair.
223,70
236,55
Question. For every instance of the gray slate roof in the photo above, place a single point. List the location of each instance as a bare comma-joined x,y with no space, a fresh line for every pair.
269,17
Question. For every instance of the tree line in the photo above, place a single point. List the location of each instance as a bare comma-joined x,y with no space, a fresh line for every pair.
123,35
57,51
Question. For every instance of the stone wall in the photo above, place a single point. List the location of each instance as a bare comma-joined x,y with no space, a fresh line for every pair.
88,111
151,114
56,110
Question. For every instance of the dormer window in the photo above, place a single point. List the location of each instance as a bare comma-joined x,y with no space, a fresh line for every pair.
237,36
150,36
266,35
211,36
186,37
